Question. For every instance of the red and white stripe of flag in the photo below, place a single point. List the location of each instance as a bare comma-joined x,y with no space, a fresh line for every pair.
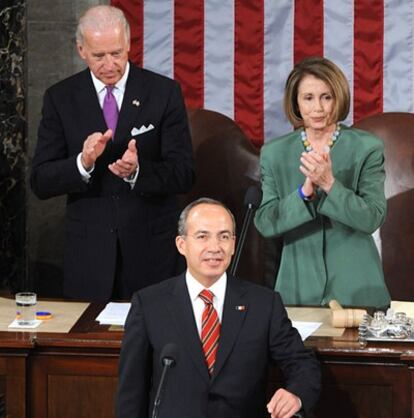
233,56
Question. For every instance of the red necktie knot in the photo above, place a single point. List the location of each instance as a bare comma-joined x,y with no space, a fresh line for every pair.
207,296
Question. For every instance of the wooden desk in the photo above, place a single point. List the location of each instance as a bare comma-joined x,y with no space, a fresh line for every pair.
375,381
47,375
72,375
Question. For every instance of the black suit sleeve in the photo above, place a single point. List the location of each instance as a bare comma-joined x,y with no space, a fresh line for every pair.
135,368
54,171
298,364
173,172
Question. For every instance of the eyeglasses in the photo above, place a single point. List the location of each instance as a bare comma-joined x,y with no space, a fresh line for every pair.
204,237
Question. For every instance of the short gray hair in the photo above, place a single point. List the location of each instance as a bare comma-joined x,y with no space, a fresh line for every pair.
182,221
100,18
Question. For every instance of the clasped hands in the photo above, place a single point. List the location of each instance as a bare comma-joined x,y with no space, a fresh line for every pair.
317,169
94,146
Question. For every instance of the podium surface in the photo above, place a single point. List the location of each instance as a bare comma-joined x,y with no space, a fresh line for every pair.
74,374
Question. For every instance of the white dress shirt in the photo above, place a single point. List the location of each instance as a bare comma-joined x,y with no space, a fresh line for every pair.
118,91
195,287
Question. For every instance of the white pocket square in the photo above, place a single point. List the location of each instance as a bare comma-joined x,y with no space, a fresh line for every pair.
142,129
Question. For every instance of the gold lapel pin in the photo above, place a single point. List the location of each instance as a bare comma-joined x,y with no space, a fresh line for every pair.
241,308
136,102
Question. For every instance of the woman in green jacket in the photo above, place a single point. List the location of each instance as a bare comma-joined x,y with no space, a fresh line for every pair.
323,192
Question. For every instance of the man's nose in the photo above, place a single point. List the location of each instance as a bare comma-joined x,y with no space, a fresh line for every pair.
108,60
214,244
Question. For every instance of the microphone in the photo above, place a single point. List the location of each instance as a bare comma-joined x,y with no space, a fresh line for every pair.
252,200
253,197
168,359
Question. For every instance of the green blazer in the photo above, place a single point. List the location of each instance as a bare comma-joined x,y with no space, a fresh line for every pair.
328,251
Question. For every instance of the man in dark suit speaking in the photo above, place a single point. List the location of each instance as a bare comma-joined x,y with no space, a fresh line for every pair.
115,139
224,332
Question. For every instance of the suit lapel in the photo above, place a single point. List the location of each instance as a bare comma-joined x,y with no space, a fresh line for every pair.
134,99
181,311
234,313
87,99
135,91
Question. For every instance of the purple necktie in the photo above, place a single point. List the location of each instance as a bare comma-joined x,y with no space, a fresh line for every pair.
110,109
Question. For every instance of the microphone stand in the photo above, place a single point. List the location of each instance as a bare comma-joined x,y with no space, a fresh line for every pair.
246,222
168,363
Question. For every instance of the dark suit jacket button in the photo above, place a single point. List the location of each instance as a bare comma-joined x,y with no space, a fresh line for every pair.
113,230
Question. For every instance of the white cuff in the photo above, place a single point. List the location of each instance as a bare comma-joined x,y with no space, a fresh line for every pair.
86,174
132,178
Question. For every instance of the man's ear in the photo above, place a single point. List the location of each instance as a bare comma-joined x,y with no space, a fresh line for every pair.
234,247
80,50
180,243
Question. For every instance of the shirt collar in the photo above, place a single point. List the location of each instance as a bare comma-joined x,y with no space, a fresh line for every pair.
195,287
99,86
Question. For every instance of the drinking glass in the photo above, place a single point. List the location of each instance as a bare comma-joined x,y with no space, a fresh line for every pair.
26,308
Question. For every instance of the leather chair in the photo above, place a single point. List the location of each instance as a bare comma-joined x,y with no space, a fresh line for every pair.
226,165
397,233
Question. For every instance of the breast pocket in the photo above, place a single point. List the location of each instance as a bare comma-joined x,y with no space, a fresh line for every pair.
147,143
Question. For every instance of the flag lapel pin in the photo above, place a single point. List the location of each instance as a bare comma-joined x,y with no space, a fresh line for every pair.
241,308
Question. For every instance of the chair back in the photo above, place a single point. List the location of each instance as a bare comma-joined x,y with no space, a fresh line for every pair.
226,165
397,234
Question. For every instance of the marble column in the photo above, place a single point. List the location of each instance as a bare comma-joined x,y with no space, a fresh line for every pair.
12,145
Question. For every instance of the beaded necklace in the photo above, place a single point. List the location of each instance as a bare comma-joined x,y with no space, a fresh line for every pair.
308,146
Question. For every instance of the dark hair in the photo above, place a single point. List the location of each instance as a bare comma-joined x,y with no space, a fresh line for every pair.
182,221
326,71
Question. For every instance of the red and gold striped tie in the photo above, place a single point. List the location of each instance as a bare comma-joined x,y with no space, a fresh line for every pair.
210,329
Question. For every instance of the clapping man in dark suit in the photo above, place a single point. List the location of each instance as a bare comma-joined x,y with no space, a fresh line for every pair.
115,139
224,330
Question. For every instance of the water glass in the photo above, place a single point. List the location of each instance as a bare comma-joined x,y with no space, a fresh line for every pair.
26,308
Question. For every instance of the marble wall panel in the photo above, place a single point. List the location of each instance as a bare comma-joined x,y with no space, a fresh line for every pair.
12,144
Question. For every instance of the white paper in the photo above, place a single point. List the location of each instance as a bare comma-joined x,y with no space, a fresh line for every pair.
114,313
15,324
402,306
306,329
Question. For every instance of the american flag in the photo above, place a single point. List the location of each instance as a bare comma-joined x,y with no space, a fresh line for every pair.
233,56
